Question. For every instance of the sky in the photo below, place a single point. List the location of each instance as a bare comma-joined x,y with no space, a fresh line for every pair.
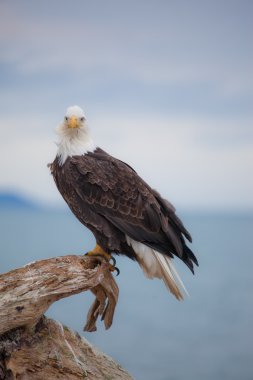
166,86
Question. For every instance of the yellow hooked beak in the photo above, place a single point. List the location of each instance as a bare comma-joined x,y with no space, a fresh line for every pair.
73,122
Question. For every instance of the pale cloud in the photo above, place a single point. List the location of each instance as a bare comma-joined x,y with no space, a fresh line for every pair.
23,167
167,153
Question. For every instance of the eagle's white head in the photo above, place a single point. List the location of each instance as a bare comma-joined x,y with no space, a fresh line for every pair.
74,135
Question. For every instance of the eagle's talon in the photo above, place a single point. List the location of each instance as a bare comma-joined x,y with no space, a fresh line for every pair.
113,266
99,256
113,260
113,269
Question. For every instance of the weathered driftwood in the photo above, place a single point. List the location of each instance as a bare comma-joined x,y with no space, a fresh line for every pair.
26,293
36,348
52,351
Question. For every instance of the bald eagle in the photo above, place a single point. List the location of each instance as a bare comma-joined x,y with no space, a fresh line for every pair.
123,212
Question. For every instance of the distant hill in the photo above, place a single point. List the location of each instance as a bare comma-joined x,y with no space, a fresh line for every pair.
15,201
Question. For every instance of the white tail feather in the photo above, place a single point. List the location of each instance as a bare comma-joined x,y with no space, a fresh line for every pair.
176,275
156,265
169,276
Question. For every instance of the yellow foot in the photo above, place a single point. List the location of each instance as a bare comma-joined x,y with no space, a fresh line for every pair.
100,252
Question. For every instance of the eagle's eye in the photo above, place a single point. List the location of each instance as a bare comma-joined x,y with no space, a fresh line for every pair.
66,118
81,118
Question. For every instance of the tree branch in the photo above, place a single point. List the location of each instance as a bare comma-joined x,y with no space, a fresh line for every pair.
26,293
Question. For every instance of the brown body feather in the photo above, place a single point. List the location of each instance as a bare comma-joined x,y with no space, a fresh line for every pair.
110,199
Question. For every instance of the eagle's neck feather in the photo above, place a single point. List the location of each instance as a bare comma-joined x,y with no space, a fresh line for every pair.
74,143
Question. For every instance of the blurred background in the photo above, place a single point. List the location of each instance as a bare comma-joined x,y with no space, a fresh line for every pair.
167,87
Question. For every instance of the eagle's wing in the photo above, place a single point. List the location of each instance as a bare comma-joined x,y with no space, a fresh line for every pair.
115,191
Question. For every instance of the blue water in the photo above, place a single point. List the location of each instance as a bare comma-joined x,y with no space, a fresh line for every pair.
209,336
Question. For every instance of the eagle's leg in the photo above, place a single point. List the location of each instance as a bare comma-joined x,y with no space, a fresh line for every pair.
98,251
